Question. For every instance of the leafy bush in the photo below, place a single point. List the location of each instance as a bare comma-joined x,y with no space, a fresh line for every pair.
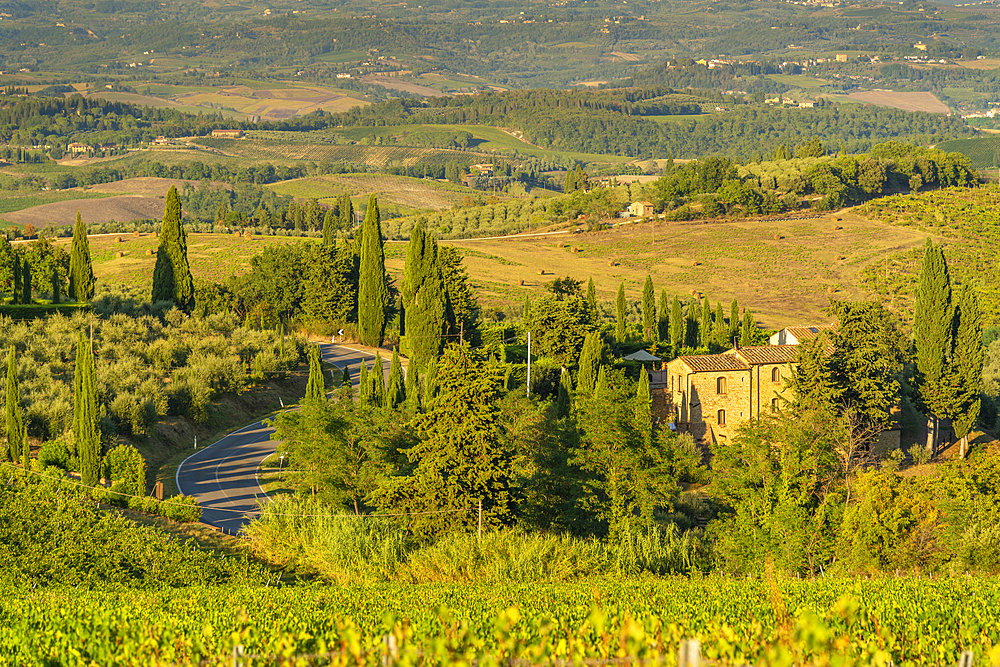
54,453
126,469
893,460
181,508
920,454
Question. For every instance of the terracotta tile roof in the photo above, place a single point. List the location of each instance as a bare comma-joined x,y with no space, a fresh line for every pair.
713,362
767,354
808,333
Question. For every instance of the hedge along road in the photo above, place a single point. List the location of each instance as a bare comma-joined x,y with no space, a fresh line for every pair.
223,476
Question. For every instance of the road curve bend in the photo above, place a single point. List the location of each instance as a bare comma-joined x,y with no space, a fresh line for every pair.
223,475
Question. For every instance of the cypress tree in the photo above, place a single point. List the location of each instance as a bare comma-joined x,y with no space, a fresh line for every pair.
663,323
676,324
648,308
15,421
424,298
329,231
86,427
172,274
364,386
734,320
620,329
692,331
601,385
346,393
395,392
56,297
644,407
81,272
25,449
592,297
590,360
315,387
345,207
933,318
812,382
18,295
564,399
705,326
748,330
430,383
373,293
968,364
26,282
720,332
412,388
377,378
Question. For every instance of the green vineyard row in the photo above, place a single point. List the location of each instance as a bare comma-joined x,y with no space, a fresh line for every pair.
831,621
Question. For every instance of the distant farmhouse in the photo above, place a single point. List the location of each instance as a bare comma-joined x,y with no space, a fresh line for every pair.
712,395
228,134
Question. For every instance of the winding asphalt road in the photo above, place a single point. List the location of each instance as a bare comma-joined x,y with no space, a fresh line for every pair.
223,476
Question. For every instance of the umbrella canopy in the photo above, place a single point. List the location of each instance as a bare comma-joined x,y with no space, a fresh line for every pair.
641,355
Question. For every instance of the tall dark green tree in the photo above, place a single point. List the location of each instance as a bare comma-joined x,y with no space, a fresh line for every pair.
663,323
590,360
592,297
424,298
315,386
648,308
364,386
968,364
15,421
812,381
395,392
705,323
346,393
748,330
86,424
620,314
18,296
720,330
81,271
677,324
412,388
345,208
734,320
430,383
461,457
933,319
564,398
56,296
25,282
329,228
172,279
377,378
373,291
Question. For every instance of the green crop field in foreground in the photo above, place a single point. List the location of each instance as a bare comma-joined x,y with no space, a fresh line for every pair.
905,620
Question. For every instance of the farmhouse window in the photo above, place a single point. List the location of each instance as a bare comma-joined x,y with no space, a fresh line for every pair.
775,404
720,385
775,375
722,418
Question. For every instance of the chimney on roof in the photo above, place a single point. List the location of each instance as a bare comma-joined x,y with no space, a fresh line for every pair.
736,342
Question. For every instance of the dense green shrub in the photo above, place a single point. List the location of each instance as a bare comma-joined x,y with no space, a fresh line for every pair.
53,453
126,469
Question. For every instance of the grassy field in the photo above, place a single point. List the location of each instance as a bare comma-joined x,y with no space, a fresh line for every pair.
212,256
905,101
786,280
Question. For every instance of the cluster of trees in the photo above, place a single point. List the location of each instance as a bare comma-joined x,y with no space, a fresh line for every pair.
342,283
41,267
257,174
33,121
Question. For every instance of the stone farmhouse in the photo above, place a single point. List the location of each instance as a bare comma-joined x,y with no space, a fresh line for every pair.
710,396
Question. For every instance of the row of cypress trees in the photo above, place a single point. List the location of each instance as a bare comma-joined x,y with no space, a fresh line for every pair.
697,325
81,272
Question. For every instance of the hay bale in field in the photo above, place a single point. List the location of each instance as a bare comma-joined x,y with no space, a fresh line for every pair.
837,228
118,239
831,289
156,235
136,233
520,283
119,254
148,251
696,263
541,272
778,237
